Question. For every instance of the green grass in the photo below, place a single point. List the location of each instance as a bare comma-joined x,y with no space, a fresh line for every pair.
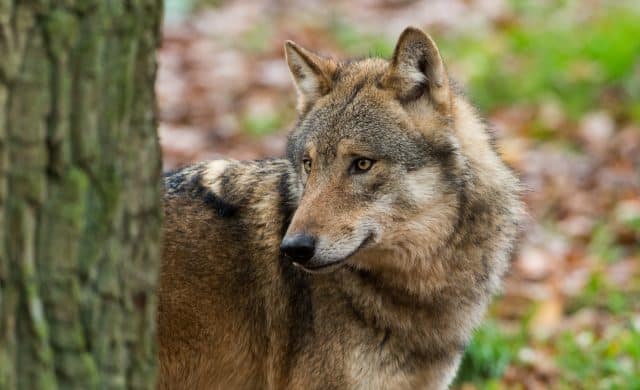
608,362
537,58
604,296
488,355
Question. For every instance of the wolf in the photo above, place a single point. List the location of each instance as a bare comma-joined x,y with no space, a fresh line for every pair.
362,260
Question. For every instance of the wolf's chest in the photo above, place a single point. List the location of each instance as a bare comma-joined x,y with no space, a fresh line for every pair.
379,369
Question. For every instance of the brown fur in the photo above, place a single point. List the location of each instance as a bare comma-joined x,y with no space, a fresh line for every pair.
411,250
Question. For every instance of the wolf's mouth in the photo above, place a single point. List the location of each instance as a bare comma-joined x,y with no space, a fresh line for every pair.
318,267
315,267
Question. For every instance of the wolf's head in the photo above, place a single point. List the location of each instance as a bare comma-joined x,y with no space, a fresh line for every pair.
377,154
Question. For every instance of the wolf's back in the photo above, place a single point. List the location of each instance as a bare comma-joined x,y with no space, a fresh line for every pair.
223,224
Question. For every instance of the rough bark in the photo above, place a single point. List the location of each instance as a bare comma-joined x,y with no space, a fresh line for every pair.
79,193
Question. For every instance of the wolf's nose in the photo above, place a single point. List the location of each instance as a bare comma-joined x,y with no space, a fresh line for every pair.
300,247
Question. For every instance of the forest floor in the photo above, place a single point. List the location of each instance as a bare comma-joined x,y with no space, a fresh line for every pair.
560,86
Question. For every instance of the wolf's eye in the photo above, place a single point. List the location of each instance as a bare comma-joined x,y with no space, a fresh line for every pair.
362,165
306,164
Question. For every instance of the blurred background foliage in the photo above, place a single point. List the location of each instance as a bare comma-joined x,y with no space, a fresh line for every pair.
560,84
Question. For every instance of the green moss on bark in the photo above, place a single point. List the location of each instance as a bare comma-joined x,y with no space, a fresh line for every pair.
79,194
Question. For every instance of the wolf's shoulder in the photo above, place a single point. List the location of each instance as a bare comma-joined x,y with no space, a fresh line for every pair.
230,187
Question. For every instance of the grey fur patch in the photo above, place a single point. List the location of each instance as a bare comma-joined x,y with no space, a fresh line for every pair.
287,202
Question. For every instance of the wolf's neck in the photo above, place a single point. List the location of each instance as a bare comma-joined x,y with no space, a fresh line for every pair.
377,302
427,326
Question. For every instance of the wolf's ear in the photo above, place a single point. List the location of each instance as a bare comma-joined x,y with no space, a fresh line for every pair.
311,74
417,70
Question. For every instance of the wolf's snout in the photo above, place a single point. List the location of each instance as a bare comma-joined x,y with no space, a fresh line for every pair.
299,247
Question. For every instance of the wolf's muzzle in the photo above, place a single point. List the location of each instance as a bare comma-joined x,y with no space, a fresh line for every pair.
300,247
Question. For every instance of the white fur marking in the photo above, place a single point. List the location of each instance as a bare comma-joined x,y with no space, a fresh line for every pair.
212,175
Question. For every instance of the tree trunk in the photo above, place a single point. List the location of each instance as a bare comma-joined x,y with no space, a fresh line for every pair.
79,193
